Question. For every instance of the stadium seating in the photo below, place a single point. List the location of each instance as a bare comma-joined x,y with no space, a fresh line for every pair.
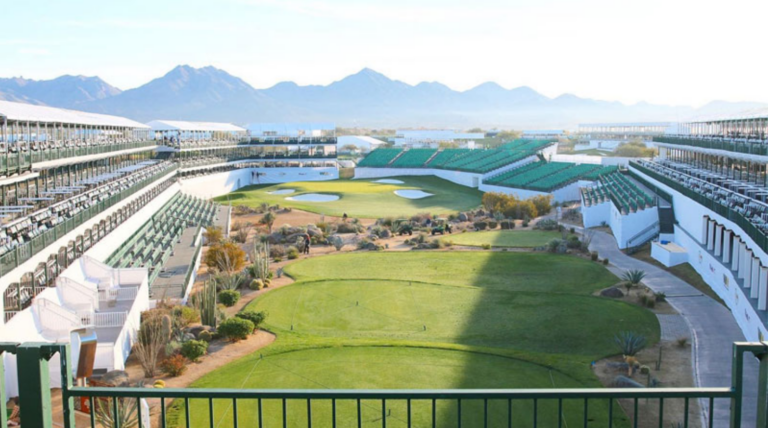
594,175
379,157
562,178
625,194
530,175
152,244
445,156
413,158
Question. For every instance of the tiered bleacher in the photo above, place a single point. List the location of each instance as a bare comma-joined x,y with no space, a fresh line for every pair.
379,157
562,178
152,244
626,195
413,158
445,156
548,176
25,231
753,146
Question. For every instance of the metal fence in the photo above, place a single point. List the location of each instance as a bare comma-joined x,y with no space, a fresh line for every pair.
332,408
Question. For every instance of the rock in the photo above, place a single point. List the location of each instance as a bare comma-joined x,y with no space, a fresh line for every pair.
115,378
612,292
625,382
385,233
463,217
481,212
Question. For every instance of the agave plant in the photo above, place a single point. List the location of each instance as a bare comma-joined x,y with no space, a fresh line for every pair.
630,343
126,416
634,276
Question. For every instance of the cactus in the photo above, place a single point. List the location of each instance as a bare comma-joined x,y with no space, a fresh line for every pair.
205,302
260,267
167,327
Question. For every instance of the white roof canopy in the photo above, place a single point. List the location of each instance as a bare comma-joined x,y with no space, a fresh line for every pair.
180,125
42,114
291,129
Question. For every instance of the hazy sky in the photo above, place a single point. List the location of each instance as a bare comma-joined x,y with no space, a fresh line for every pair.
660,51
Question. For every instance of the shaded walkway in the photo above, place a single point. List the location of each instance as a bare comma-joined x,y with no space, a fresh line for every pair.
712,326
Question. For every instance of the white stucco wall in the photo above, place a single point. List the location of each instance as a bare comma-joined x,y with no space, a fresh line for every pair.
463,178
597,214
209,186
626,227
567,193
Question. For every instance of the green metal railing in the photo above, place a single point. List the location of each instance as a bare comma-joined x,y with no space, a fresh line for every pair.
24,252
760,238
277,407
12,163
727,145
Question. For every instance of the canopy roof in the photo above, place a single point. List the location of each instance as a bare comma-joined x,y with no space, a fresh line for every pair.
758,113
180,125
291,129
42,114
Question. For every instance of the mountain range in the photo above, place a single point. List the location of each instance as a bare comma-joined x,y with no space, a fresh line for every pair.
364,99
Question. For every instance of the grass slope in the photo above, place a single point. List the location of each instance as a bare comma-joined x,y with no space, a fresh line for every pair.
364,198
430,320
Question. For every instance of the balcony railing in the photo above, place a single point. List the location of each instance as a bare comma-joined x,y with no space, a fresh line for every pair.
13,163
727,145
332,408
24,252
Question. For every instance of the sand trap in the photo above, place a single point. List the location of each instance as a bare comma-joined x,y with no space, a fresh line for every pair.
313,197
389,181
412,194
282,192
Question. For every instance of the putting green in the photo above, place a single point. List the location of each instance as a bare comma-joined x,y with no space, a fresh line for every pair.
386,368
364,198
399,320
504,238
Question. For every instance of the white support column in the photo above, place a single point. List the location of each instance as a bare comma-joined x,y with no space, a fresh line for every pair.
735,253
762,297
711,235
748,269
718,240
754,293
704,233
727,234
742,257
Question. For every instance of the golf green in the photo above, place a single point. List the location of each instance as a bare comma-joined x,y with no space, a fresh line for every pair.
504,238
362,198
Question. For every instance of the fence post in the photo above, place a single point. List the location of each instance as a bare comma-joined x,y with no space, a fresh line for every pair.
35,386
762,391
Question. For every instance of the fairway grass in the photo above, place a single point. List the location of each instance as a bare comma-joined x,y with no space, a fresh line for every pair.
452,319
363,198
504,238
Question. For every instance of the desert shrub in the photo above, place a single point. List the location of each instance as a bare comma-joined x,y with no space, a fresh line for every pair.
292,253
630,343
492,224
205,335
553,244
543,203
185,315
573,242
525,223
225,257
276,251
605,261
661,297
547,224
228,298
256,284
594,256
194,349
234,329
486,246
337,242
347,228
174,366
213,235
572,230
255,317
481,225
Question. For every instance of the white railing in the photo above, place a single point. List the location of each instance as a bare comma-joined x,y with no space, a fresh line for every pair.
9,315
118,294
110,319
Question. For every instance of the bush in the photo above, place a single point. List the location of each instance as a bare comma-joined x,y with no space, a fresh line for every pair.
525,223
507,224
256,284
225,257
347,228
205,335
630,343
492,224
547,224
235,329
185,315
486,246
174,366
276,251
594,256
661,297
481,225
682,341
573,242
194,349
605,261
292,253
255,317
229,297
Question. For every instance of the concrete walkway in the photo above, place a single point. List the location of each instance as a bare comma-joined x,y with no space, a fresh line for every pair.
712,327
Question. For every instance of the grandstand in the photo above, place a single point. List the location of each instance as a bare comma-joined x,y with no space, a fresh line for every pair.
380,158
151,246
446,155
616,187
413,158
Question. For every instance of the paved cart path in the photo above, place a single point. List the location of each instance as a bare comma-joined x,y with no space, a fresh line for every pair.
712,327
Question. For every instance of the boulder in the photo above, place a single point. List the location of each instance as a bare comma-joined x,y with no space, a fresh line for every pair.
385,233
625,382
463,217
196,330
115,378
613,292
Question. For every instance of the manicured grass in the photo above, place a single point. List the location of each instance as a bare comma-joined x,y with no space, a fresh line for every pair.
504,238
388,368
430,320
365,198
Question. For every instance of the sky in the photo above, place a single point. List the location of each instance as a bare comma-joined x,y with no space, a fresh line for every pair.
679,52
